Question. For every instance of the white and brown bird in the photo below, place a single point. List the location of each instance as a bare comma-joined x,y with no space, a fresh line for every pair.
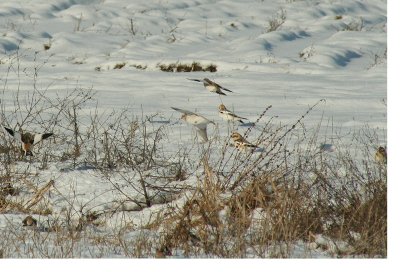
27,140
212,86
241,143
29,221
228,115
198,121
381,155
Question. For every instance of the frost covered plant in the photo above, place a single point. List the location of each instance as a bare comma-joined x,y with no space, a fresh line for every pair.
276,21
308,52
354,25
190,67
378,59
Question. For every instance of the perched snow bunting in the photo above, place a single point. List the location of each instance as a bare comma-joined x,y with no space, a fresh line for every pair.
228,115
241,143
198,121
380,155
212,86
27,139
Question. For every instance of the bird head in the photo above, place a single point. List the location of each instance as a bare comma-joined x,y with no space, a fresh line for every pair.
222,107
236,136
382,150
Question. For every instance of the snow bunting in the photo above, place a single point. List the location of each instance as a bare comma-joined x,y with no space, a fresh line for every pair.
29,221
27,139
212,86
380,155
198,121
241,143
228,115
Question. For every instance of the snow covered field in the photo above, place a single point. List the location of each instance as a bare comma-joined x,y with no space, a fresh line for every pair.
286,54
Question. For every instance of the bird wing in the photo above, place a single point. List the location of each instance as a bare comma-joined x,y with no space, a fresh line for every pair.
183,111
225,89
231,114
244,146
202,133
200,126
216,84
219,86
206,120
220,92
193,79
9,130
39,137
244,142
250,144
16,135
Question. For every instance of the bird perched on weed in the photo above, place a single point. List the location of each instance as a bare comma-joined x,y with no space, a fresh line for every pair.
240,143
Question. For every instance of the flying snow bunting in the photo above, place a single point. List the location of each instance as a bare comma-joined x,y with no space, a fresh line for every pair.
228,115
27,139
211,86
241,143
198,121
380,155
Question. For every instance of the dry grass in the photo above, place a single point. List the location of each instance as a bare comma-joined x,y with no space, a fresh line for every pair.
269,204
182,67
